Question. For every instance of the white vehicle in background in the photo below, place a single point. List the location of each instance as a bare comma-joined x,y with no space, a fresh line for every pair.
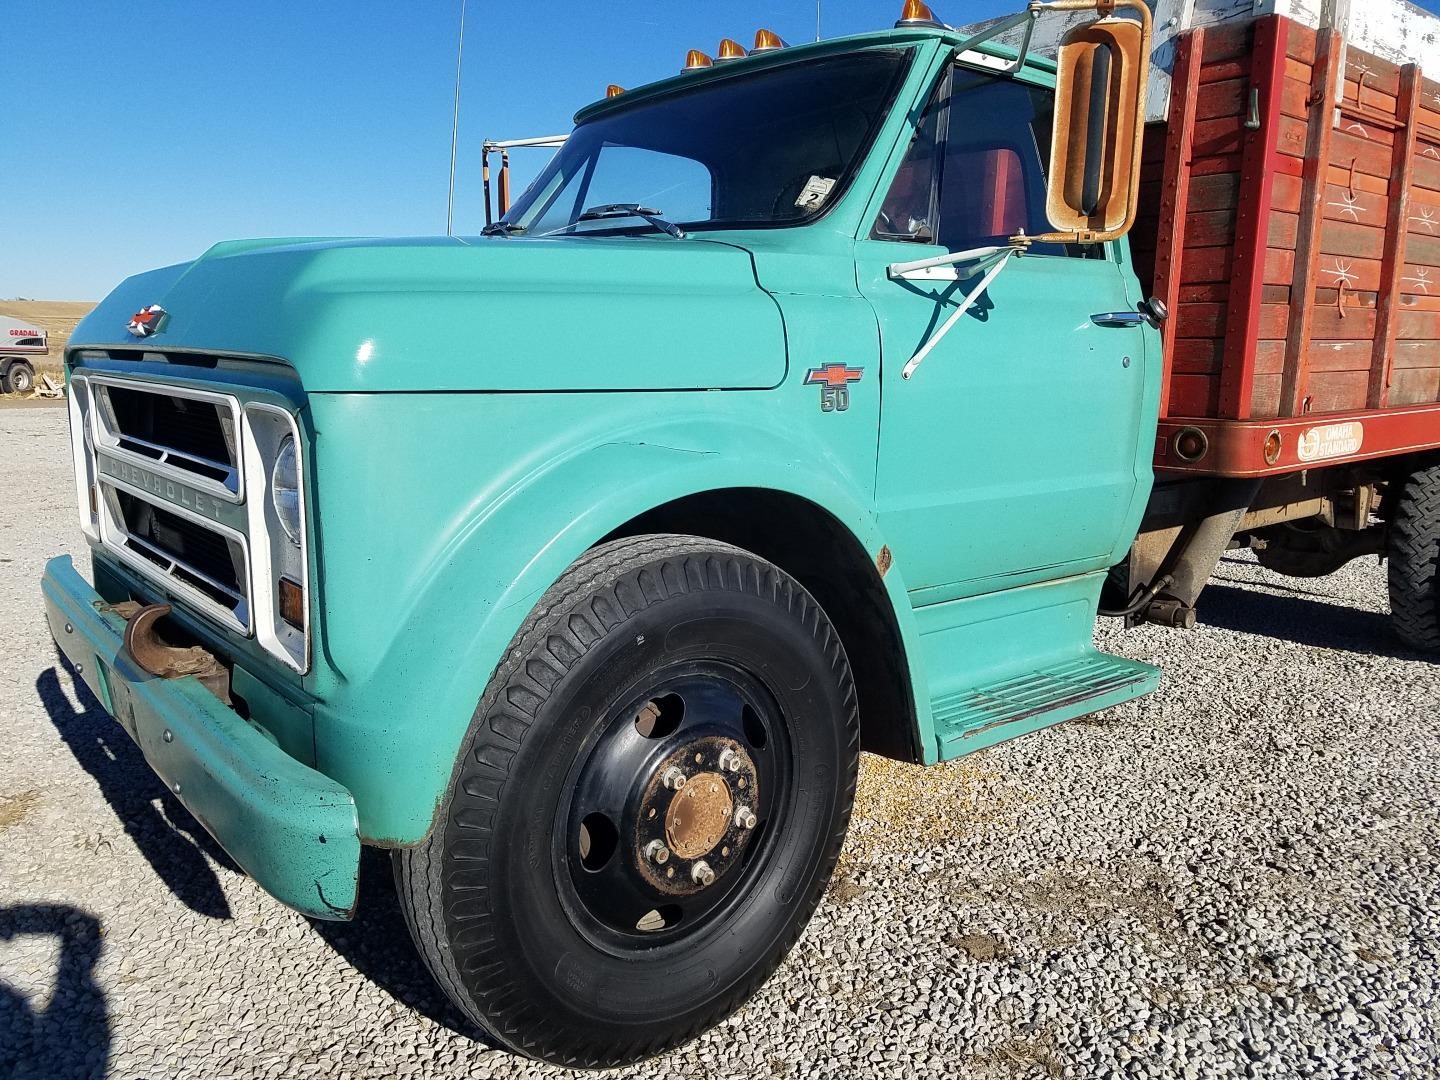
18,342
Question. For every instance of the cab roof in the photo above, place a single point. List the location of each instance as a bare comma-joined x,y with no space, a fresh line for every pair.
898,37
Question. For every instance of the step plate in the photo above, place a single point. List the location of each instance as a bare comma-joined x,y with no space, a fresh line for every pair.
973,719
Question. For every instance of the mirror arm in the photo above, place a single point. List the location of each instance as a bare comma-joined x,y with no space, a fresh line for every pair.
1106,8
981,256
955,316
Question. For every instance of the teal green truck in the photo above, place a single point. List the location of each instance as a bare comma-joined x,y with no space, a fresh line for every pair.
803,404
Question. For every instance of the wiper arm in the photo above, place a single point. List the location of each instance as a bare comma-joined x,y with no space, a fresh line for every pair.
624,210
502,228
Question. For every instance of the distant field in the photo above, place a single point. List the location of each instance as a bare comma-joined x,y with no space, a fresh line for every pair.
59,317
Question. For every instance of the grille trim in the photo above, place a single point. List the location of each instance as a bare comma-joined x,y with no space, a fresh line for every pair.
223,479
141,553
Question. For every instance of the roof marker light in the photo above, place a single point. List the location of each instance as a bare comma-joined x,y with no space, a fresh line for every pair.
614,91
767,41
695,60
918,13
730,50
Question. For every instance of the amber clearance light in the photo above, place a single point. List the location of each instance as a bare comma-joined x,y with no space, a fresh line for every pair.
614,91
695,60
917,13
767,41
730,50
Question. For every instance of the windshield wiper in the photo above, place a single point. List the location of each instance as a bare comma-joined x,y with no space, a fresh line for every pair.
502,228
624,210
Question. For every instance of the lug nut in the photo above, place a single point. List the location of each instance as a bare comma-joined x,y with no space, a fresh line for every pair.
701,873
657,852
673,778
729,760
744,818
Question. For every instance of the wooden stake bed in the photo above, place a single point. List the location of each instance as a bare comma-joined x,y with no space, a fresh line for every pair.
1295,236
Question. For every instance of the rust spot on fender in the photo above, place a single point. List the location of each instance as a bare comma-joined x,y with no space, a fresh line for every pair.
883,560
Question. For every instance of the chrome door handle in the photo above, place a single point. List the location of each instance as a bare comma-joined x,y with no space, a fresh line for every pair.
1119,318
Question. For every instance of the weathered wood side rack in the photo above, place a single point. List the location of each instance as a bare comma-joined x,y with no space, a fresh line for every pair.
1294,233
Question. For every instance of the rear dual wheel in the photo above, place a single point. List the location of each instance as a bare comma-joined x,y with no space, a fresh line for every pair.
649,803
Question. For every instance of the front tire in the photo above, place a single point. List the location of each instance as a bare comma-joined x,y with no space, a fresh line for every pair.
1415,561
649,802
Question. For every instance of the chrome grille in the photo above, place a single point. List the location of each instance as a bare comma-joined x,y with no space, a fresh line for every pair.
189,433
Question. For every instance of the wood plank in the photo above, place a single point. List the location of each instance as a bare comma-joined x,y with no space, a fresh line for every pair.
1220,163
1257,178
1300,44
1357,241
1311,242
1359,207
1220,99
1427,166
1200,320
1284,228
1417,354
1415,386
1357,181
1219,191
1203,265
1197,356
1395,276
1269,357
1340,355
1214,228
1222,136
1227,42
1337,391
1287,193
1217,293
1279,266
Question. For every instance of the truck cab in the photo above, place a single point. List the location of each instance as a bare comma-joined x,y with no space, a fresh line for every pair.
802,404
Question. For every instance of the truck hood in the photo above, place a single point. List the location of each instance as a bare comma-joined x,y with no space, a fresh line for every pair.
571,313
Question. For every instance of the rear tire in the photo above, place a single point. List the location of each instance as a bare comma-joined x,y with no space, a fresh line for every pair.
20,379
1415,561
540,902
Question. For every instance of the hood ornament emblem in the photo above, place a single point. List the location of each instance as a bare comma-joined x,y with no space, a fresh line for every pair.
146,321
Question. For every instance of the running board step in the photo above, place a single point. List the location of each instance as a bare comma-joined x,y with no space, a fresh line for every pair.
980,717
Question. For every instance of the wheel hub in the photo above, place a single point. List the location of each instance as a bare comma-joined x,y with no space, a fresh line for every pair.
690,832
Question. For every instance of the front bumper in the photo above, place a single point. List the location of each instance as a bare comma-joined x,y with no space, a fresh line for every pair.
291,828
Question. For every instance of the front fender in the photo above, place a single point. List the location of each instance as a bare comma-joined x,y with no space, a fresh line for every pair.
463,567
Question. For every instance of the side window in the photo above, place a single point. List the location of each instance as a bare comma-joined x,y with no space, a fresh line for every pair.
986,170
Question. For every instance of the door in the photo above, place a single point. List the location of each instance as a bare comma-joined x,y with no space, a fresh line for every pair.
1012,453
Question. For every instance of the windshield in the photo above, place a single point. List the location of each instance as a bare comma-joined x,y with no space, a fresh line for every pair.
769,147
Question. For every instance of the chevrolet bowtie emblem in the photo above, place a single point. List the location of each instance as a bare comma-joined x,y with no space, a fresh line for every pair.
147,321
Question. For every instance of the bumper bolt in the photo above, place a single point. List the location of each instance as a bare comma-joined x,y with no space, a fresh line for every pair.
729,760
168,735
175,787
701,873
744,818
673,778
69,629
657,852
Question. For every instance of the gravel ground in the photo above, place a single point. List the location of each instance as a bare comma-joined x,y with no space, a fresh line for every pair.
1236,876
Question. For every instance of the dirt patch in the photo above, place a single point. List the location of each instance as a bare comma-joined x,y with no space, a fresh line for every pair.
978,945
15,808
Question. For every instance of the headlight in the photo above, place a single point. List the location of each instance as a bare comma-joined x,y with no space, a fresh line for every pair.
285,489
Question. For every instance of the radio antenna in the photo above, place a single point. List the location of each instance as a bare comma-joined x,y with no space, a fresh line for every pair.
455,126
817,20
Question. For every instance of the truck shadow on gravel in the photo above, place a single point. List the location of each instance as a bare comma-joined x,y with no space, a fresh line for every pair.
70,1035
1303,617
377,944
176,846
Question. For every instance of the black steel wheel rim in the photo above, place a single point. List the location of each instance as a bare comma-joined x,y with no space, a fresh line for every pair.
685,716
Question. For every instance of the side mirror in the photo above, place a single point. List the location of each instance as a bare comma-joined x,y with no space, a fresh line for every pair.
1099,124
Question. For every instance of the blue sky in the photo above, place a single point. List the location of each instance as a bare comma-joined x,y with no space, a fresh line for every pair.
147,129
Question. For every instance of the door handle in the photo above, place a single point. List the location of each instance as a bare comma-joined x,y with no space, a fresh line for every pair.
1119,318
